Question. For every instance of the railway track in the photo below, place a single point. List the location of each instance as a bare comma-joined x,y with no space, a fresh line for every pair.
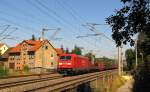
22,80
54,82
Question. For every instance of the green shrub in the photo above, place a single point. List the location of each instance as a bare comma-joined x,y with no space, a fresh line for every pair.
26,68
3,71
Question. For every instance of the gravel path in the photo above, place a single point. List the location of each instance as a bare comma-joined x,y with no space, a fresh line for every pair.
127,87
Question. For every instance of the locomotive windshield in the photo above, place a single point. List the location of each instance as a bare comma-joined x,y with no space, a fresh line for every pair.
65,58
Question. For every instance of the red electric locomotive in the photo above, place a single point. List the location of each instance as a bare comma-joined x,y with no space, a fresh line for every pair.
77,64
74,64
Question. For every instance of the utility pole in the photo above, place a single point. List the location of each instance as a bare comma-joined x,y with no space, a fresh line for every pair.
119,61
136,53
43,39
43,47
121,53
92,28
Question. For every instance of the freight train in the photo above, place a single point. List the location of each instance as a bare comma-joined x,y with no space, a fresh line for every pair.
77,64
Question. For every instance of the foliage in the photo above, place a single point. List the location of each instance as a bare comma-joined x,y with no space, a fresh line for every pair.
3,71
33,37
90,56
142,78
131,19
0,56
134,18
67,51
105,59
77,50
26,68
130,58
144,45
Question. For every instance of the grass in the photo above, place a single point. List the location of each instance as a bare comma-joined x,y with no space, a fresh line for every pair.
117,83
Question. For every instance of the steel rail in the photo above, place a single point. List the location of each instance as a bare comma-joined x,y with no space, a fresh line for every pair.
55,84
27,79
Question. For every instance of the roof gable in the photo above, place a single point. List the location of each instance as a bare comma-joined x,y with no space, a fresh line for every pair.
35,45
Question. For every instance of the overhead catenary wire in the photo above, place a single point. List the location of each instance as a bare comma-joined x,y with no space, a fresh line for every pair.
20,11
19,25
67,10
74,14
44,12
4,30
56,14
74,11
33,17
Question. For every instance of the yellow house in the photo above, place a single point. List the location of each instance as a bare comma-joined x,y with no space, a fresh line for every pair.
36,54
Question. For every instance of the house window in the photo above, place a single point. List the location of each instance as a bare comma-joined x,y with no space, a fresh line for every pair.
46,47
12,58
11,65
17,57
52,55
52,63
31,56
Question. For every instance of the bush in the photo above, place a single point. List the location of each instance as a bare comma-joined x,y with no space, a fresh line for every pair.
3,71
142,78
26,68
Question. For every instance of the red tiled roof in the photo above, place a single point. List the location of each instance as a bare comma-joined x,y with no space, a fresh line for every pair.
59,51
35,45
1,45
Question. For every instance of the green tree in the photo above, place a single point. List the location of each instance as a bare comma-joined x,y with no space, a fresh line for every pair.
130,58
133,18
3,71
144,45
77,50
33,37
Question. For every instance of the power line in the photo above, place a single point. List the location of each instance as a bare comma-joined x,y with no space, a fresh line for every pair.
4,30
25,27
92,28
21,18
55,13
12,6
43,11
74,11
67,10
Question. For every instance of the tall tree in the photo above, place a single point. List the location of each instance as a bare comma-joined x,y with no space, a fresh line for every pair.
130,58
131,19
144,45
77,50
33,37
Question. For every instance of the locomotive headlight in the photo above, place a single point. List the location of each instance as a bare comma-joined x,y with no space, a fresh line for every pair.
68,63
60,63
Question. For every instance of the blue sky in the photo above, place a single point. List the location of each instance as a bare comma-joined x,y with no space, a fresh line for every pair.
30,16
